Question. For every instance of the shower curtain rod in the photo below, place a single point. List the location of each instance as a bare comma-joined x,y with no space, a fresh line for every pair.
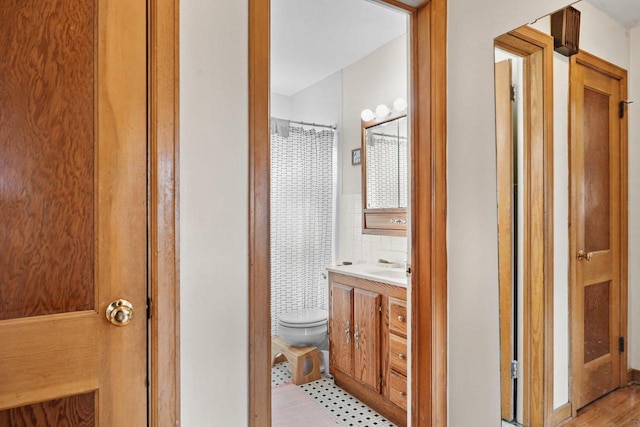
334,127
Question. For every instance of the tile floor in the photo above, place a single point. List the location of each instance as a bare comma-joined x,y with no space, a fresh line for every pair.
346,410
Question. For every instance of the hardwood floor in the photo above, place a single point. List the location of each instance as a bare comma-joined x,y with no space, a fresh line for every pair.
620,409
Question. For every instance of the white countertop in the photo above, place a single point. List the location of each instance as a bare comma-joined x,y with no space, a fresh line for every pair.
378,272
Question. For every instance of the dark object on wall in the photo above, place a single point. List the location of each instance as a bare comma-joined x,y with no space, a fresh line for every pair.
565,29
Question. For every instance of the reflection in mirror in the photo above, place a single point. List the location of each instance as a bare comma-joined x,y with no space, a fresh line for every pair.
386,164
384,175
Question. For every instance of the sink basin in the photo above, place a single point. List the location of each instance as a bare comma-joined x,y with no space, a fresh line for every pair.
393,273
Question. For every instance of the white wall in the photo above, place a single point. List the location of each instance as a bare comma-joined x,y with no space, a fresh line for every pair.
378,78
280,106
213,212
213,167
474,388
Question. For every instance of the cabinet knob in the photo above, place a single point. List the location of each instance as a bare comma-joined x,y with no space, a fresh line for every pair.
401,356
402,393
400,318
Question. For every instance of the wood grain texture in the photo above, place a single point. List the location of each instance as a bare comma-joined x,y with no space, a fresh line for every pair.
52,356
620,409
537,364
366,316
428,108
77,411
163,237
259,338
596,371
367,303
341,327
597,319
505,173
47,128
596,166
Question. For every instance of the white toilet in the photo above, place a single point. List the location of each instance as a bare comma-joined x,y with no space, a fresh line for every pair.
304,328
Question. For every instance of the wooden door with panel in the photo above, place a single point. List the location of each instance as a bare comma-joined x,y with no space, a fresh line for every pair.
598,203
73,136
366,316
341,327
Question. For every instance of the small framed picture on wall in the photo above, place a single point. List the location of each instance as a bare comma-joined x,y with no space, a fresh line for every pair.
355,156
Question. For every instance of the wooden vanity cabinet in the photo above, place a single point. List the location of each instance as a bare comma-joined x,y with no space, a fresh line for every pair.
367,353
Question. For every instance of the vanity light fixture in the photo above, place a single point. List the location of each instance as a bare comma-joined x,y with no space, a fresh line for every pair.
382,111
400,104
367,115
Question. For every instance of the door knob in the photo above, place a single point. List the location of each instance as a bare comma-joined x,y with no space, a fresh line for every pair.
586,256
120,312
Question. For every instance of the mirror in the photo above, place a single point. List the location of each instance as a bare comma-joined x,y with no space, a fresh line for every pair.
384,175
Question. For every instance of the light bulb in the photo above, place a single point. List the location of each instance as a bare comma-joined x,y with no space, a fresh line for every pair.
382,111
367,115
400,104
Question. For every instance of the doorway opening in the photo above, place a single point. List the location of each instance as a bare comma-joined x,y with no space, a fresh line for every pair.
427,392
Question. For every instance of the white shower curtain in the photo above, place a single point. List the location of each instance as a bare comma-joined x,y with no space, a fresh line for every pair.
302,197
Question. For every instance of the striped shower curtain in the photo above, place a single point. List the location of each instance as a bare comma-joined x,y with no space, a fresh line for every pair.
302,198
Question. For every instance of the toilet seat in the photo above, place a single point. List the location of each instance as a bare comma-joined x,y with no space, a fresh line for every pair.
307,318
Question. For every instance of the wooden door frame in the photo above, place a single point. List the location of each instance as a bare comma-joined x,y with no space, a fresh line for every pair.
428,66
163,180
504,156
536,48
613,71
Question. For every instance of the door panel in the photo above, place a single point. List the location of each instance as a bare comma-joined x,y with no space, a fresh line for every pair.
596,165
505,170
47,132
596,212
76,411
72,211
366,315
341,324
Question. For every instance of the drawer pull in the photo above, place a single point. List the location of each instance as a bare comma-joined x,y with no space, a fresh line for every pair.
397,221
401,356
402,393
400,318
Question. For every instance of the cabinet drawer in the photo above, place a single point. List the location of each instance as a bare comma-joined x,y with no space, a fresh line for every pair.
398,389
386,221
398,353
398,316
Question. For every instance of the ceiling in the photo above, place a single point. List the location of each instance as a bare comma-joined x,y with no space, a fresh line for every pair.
625,12
312,39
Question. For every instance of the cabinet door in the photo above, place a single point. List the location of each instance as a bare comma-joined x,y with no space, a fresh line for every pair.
341,328
366,315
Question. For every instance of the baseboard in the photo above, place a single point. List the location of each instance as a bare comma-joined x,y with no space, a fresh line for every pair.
561,414
634,376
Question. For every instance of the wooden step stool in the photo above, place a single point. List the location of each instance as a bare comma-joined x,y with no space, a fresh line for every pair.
296,357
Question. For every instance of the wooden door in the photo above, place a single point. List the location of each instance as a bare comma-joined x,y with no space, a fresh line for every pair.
72,212
505,173
341,328
366,316
597,206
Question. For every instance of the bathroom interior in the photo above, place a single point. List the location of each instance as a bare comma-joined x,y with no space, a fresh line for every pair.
339,183
338,101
